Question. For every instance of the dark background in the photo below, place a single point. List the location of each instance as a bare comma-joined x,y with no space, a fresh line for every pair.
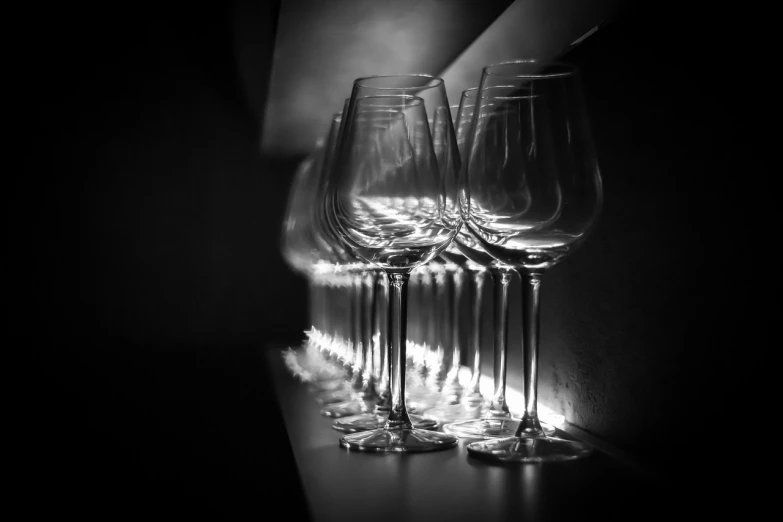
147,269
153,273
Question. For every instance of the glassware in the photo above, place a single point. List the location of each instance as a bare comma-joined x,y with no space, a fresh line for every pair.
422,389
531,194
472,399
428,359
454,404
496,421
333,349
300,251
388,204
353,345
368,407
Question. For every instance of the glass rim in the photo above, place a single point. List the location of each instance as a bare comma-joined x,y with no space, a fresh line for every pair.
366,105
521,97
416,99
433,81
473,95
569,69
488,96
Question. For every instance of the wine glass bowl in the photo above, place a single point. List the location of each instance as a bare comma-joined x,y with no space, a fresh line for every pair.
537,200
382,222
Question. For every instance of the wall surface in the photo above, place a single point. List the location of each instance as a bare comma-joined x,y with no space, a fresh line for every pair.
321,47
146,225
527,29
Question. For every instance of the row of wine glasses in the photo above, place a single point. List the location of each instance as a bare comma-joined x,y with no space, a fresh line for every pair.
408,202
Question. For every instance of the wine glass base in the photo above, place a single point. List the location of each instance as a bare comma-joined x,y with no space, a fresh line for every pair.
421,401
345,409
532,449
499,428
373,421
450,413
327,385
332,397
410,440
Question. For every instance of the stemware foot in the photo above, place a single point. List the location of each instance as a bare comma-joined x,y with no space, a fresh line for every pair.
410,440
374,421
498,428
529,449
419,401
345,409
450,413
326,385
335,396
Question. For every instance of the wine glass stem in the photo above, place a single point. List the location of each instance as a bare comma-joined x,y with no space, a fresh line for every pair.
501,278
368,312
313,301
452,377
382,299
531,292
377,358
430,345
478,297
458,282
323,310
357,302
430,298
340,316
398,311
444,296
317,320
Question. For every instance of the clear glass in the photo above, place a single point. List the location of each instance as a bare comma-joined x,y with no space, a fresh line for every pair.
431,355
388,204
301,251
493,420
327,263
363,392
365,402
448,401
530,195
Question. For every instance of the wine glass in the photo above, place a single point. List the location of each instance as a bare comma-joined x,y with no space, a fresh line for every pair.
472,399
450,278
368,407
530,195
455,403
349,275
388,204
327,270
496,421
429,362
300,251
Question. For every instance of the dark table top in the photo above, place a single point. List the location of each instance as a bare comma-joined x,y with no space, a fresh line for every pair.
450,484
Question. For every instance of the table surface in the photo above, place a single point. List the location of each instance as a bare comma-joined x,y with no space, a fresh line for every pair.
450,484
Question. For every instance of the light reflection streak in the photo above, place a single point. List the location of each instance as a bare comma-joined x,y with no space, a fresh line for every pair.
311,362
